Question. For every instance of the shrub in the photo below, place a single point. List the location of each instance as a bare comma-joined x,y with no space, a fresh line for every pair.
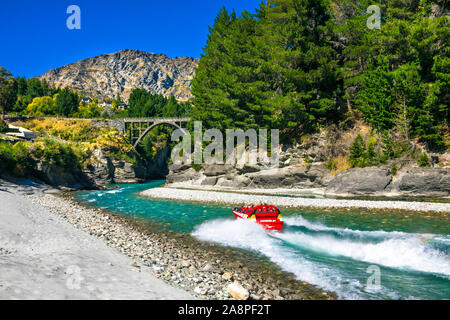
338,164
394,170
22,158
3,126
7,162
357,151
423,161
73,130
58,153
308,161
15,159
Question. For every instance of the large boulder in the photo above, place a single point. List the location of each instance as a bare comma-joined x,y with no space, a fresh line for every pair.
101,172
247,168
177,168
216,169
425,182
209,181
237,291
361,181
236,181
183,176
273,178
290,177
59,177
125,172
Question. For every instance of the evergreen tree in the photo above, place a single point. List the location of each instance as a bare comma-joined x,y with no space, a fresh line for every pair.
8,91
21,86
357,151
34,88
67,102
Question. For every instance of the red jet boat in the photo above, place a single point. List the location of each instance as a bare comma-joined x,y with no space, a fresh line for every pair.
269,217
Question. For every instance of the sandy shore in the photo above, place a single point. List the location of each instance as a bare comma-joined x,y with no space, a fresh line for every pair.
45,257
238,198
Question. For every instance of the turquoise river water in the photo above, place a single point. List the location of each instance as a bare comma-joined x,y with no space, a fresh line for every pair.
340,251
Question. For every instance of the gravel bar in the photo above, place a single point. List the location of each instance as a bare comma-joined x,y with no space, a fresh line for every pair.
291,202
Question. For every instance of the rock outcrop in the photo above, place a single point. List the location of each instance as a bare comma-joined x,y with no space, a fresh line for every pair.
433,182
371,181
360,181
62,177
121,72
103,171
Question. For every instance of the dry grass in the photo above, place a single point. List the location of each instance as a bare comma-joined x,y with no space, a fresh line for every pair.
339,164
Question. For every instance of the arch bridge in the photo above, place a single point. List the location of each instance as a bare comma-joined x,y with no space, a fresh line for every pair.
140,127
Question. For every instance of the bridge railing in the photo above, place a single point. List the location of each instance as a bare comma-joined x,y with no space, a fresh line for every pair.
180,119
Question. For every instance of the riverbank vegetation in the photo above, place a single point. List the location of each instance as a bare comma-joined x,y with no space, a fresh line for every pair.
143,104
67,144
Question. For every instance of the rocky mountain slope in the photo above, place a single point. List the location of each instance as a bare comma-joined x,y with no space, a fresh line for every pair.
123,71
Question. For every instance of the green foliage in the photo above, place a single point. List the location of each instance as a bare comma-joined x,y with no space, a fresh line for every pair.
148,148
298,64
57,153
156,140
374,100
423,161
42,106
3,126
394,170
269,70
308,160
21,86
7,161
357,151
117,101
375,150
89,110
22,103
8,90
34,88
144,104
14,159
66,102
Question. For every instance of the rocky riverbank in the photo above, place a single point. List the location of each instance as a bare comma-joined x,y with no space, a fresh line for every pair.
44,257
204,270
410,182
321,161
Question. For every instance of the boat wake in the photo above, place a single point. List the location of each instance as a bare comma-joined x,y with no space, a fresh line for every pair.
336,259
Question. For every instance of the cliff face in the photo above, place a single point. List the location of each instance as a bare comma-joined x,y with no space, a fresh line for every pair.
123,71
305,166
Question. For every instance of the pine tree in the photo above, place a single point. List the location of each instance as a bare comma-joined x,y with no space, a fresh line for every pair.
8,91
357,151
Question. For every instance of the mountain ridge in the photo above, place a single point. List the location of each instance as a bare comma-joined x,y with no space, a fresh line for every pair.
120,72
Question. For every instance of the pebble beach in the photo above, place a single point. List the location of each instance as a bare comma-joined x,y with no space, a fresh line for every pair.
185,267
232,198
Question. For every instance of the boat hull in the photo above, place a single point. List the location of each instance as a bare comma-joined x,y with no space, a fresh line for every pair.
268,217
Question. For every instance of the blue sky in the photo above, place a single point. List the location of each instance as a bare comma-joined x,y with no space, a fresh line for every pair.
34,37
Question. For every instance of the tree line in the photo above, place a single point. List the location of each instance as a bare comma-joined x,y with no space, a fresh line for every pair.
36,98
298,65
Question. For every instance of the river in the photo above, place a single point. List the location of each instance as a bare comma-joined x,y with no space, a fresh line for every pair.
401,255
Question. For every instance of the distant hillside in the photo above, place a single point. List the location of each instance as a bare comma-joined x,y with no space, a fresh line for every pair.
123,71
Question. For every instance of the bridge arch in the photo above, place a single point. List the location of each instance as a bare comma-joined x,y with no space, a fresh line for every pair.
152,123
